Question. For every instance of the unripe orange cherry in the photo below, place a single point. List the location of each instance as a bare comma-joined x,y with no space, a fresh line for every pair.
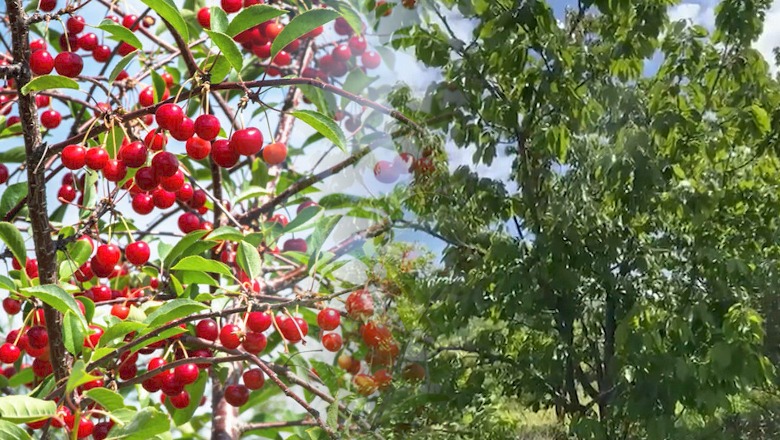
274,154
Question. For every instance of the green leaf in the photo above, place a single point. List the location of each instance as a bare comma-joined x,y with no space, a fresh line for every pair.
324,125
90,193
72,334
48,82
12,196
120,33
58,298
171,310
248,259
300,25
196,390
182,245
303,219
322,230
144,425
110,400
21,409
229,49
249,17
220,69
219,19
120,66
333,414
12,238
225,233
200,264
170,13
159,86
13,155
9,431
7,284
349,14
78,376
120,330
761,119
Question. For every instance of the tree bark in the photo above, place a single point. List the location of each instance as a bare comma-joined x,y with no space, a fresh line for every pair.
35,150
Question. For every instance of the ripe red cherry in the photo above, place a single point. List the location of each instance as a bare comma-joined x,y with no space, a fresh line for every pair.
188,222
68,64
172,183
137,252
187,373
86,427
165,164
169,116
207,127
75,24
247,142
121,311
293,329
183,131
295,245
342,27
108,254
275,153
207,329
223,154
156,141
12,306
328,319
115,170
66,194
145,179
332,342
185,193
181,400
51,119
282,58
133,154
357,44
231,6
9,353
88,41
228,336
360,304
37,44
47,5
73,157
204,17
342,52
236,395
3,174
101,53
272,30
163,199
198,148
41,62
371,59
37,337
254,379
131,21
259,321
254,342
96,158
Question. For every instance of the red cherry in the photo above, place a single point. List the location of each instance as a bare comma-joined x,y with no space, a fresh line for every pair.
198,148
12,306
73,157
41,62
114,171
207,329
51,119
145,179
185,193
88,42
342,27
121,311
204,17
357,44
332,342
254,379
108,254
223,154
169,116
272,30
96,158
101,53
156,141
262,51
183,131
275,153
207,127
293,329
295,245
371,59
163,199
131,21
37,337
133,154
259,321
342,52
282,58
236,395
228,336
137,252
75,24
86,426
247,142
231,6
165,164
68,64
360,304
198,199
188,222
31,268
254,342
172,183
187,373
181,400
328,319
3,174
9,353
66,194
168,78
37,44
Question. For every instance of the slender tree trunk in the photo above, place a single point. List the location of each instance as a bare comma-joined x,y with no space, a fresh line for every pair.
45,250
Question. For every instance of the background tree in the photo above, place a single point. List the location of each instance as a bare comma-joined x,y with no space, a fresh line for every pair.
220,290
620,273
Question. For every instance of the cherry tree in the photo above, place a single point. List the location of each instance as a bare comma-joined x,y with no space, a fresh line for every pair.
176,259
